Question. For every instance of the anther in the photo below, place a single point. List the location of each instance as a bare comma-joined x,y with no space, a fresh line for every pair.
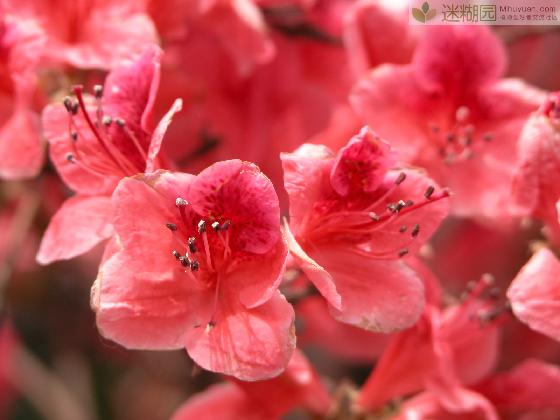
403,229
209,326
74,136
180,202
98,91
194,265
70,105
400,179
225,225
192,244
415,230
429,191
403,252
201,226
70,158
409,203
106,120
171,226
374,216
176,254
120,122
216,226
184,261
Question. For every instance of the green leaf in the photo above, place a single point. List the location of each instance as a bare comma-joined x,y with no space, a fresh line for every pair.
431,14
418,15
425,7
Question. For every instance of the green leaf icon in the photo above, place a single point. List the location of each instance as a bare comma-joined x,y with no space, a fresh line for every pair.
425,7
418,15
431,14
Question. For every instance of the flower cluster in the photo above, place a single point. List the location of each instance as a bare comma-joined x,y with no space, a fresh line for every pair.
283,189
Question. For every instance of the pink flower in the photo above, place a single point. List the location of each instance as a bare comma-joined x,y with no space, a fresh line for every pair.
298,387
199,264
351,219
88,34
378,32
21,149
446,350
536,186
527,392
535,294
449,112
94,142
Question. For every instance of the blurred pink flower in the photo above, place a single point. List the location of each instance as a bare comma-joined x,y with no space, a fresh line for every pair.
351,219
536,186
297,387
21,149
535,294
449,112
446,350
198,261
90,33
94,142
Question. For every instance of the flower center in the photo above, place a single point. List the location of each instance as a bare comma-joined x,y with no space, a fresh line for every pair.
203,249
460,142
115,162
359,225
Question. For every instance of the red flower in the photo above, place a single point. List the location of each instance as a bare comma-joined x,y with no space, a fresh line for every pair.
199,264
351,219
94,142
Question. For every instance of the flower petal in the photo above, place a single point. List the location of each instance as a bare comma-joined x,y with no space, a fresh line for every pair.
361,165
237,191
159,134
250,344
380,296
79,225
535,294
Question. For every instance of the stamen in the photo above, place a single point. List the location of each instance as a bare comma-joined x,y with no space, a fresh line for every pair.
195,265
403,229
225,225
415,230
192,245
403,252
201,227
176,254
184,261
98,91
400,179
171,226
180,202
429,191
106,120
216,226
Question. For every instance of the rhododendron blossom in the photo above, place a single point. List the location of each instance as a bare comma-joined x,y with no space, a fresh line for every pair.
299,386
198,264
536,189
449,112
352,219
20,45
535,293
87,34
94,142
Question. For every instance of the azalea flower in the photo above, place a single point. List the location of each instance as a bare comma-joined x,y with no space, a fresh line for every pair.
446,351
535,188
351,221
90,33
198,261
528,391
298,387
535,293
96,141
449,112
21,149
